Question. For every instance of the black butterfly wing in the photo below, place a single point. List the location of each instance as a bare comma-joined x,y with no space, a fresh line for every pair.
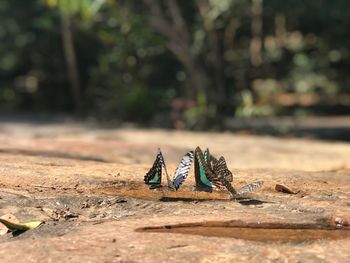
182,170
221,170
223,175
161,159
206,155
154,175
209,158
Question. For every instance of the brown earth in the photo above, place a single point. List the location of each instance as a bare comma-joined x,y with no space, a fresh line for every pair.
86,183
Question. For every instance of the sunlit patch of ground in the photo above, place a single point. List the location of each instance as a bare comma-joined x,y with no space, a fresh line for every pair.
87,185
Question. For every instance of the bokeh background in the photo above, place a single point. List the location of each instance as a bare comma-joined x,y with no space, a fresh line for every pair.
193,64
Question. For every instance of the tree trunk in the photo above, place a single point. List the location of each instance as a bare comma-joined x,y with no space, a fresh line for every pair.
71,60
176,30
221,98
256,28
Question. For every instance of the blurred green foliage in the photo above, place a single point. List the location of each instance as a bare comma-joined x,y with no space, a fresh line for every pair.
175,63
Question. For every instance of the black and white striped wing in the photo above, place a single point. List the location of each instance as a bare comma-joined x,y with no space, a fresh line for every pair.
250,187
182,170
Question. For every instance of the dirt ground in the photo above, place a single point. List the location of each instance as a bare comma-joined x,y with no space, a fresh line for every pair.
86,183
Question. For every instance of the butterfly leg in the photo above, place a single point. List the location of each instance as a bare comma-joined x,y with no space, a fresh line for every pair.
230,189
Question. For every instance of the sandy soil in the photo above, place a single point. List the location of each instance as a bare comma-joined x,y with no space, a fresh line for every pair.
86,183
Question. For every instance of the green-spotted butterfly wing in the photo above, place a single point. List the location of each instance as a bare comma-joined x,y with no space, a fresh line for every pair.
203,171
154,176
203,177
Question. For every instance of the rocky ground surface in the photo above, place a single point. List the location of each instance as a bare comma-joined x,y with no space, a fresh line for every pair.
86,183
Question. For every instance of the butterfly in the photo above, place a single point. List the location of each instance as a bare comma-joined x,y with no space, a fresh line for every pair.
202,181
204,164
223,176
181,171
207,166
217,173
154,176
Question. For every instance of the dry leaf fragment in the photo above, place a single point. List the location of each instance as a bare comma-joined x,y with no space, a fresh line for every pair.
284,189
340,221
20,226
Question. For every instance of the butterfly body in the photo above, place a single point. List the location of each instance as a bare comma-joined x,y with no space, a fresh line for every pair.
217,172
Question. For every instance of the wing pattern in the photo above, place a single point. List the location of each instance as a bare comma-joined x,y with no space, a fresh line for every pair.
154,176
217,173
221,170
250,187
202,182
182,170
203,164
209,171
